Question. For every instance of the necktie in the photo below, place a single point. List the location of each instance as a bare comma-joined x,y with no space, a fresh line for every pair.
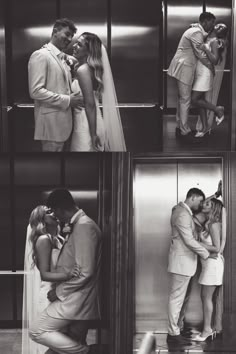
62,57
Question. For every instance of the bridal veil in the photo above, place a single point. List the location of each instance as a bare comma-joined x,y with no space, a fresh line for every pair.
114,132
31,291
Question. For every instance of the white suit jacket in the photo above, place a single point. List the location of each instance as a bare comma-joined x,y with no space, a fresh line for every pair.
184,247
183,64
49,86
79,296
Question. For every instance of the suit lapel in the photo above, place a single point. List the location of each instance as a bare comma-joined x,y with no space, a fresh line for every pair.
59,62
80,214
195,235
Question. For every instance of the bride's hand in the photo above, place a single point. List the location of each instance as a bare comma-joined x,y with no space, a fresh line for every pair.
96,141
203,235
203,46
75,272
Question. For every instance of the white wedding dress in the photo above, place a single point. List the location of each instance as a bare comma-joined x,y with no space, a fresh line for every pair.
203,78
212,268
35,295
109,124
81,138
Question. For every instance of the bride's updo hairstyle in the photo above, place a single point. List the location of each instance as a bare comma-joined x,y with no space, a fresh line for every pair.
38,227
215,214
94,59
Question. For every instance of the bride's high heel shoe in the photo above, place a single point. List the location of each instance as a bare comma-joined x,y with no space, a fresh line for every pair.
202,134
199,338
220,119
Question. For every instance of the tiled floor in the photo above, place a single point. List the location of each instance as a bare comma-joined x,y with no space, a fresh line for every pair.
224,345
217,141
10,341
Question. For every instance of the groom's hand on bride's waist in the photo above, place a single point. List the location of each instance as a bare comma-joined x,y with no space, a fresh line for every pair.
52,296
213,255
76,100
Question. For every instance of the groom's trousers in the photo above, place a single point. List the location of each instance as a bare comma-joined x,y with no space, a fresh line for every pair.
49,331
179,288
183,105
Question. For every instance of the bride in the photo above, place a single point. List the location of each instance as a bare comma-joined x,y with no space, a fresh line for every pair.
212,222
93,78
215,49
43,244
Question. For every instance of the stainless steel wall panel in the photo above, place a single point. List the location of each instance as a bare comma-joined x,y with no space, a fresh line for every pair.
6,303
31,23
3,82
154,196
82,171
203,175
89,16
135,50
5,225
43,170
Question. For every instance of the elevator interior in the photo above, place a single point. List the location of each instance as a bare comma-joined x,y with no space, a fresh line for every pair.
25,182
177,18
158,186
133,42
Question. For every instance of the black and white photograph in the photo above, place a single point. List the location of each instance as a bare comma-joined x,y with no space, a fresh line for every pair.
117,176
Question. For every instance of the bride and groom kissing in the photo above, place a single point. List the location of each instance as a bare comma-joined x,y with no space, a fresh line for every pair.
198,229
197,66
61,281
67,91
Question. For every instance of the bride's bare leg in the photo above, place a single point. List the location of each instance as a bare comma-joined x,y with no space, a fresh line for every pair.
198,100
207,292
203,116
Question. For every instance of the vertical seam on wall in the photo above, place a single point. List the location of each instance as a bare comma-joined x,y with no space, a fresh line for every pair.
109,21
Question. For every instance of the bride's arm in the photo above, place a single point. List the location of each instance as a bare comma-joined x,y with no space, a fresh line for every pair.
215,234
86,85
224,231
213,54
44,250
217,194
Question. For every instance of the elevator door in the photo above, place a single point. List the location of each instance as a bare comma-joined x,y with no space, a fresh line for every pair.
157,188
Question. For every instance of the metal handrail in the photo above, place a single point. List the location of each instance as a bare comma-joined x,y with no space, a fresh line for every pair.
120,105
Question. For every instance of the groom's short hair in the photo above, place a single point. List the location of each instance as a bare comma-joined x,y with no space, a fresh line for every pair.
195,191
61,198
64,22
206,16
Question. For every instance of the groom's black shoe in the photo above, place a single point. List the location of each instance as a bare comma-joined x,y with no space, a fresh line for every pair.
177,132
177,340
186,332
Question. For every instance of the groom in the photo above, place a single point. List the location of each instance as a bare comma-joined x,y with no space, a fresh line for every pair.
183,258
50,87
183,65
74,303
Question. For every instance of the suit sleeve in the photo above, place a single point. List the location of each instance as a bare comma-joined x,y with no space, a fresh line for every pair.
196,40
37,69
85,248
184,226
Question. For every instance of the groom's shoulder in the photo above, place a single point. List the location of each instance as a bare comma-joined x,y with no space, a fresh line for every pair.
192,30
179,208
43,51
